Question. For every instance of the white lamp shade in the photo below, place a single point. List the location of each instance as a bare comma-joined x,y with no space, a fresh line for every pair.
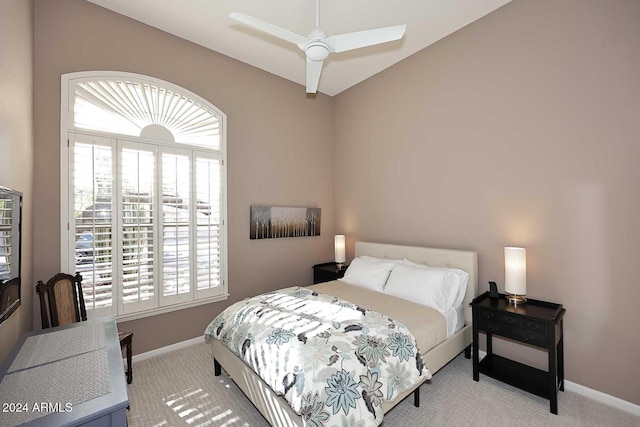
515,271
340,248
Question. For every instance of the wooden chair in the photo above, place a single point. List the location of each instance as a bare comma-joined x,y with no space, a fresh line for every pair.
64,304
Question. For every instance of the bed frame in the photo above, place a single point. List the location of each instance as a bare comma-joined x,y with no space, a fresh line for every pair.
277,410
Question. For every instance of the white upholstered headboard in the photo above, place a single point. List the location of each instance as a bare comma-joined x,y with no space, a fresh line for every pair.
433,257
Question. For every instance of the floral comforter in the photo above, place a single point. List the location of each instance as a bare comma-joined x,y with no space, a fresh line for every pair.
333,361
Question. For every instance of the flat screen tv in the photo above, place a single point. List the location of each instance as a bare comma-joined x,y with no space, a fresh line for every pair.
10,250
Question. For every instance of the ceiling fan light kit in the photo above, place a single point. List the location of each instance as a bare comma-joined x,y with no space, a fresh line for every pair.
317,51
317,46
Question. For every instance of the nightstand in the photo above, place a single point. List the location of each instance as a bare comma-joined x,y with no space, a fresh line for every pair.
537,323
327,272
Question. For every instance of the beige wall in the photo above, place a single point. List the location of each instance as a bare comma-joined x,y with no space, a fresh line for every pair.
16,143
279,148
520,129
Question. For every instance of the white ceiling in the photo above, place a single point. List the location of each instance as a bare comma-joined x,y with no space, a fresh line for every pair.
207,23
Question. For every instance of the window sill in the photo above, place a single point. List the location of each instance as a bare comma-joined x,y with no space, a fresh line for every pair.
169,308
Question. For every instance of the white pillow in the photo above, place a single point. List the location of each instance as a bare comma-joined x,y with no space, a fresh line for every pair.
460,284
464,280
372,258
370,273
413,263
427,286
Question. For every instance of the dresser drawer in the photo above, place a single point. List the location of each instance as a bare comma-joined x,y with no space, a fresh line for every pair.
513,332
533,325
497,316
512,320
529,337
495,327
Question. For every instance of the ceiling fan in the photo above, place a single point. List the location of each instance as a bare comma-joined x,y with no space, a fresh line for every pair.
317,46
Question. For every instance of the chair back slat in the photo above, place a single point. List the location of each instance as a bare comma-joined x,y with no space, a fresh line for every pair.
64,302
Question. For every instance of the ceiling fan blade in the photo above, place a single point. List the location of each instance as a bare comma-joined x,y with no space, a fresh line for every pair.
314,68
350,41
268,28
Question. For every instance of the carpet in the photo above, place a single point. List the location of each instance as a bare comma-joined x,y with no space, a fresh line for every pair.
179,389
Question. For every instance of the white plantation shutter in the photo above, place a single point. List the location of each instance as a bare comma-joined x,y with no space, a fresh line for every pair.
92,239
176,225
208,220
143,193
137,209
160,249
7,236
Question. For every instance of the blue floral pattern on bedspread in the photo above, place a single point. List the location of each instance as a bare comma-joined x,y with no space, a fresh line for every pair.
333,361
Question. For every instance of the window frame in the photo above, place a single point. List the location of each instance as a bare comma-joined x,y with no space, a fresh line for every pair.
67,128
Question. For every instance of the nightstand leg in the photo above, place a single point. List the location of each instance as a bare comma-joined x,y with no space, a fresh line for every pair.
129,364
561,359
553,377
217,369
467,352
489,343
476,359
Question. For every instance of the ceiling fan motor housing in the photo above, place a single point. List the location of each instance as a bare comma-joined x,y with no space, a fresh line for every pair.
317,50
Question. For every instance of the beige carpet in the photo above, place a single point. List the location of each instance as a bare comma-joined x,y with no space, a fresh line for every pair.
179,389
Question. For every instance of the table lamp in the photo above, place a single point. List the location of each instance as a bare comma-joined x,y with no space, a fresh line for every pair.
515,274
340,253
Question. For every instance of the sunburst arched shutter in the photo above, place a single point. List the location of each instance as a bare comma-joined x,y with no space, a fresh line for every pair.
133,108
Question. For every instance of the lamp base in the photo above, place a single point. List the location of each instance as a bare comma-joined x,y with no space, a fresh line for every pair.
516,299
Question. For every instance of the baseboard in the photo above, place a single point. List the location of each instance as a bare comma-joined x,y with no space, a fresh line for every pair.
605,398
166,349
596,395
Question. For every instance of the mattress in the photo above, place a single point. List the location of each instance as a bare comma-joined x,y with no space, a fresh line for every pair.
428,325
454,319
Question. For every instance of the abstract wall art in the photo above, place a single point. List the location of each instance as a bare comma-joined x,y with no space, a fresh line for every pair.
272,222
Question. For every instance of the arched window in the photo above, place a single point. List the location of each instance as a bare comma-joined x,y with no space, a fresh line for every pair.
143,193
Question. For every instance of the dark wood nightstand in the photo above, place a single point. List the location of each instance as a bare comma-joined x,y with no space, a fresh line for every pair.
537,323
328,271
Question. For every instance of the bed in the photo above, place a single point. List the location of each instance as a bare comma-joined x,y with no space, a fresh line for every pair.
277,410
